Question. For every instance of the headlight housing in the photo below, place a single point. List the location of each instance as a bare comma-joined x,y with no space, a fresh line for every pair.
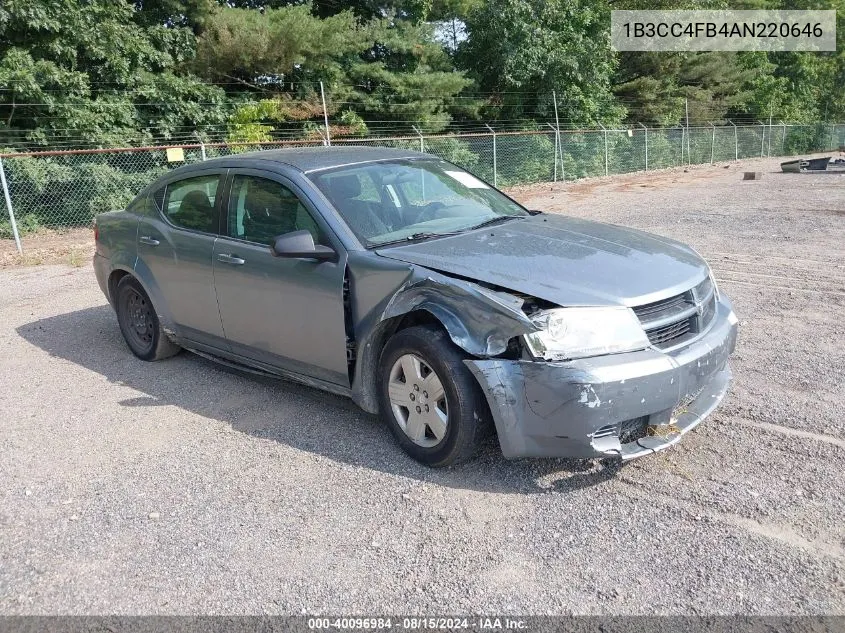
713,281
567,333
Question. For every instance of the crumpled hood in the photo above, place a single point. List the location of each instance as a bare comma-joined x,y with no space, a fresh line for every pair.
564,260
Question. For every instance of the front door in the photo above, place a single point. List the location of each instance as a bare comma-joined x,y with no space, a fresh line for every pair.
175,245
287,313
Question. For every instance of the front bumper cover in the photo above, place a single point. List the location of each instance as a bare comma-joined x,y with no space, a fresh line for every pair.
578,408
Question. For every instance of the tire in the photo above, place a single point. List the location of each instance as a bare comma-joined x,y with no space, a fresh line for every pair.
139,322
467,417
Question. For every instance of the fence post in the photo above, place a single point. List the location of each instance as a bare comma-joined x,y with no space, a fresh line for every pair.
422,140
736,140
557,139
495,177
645,129
712,142
605,149
683,140
556,148
325,115
762,138
783,139
769,147
9,207
202,151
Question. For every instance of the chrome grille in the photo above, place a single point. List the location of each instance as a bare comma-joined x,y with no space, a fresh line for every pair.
680,318
658,308
668,334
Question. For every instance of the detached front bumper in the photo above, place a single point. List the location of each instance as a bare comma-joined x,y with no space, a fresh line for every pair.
625,405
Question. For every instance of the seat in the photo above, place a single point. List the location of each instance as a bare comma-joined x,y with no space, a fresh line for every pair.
267,214
196,212
344,191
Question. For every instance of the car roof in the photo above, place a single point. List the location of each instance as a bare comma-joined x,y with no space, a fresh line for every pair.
307,159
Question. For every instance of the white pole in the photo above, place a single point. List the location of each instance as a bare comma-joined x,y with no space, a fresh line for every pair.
783,139
686,107
495,176
712,143
769,150
325,115
762,138
557,137
202,151
645,129
422,140
422,171
556,149
736,141
605,149
9,207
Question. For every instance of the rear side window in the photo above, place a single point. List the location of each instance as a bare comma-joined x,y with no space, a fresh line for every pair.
190,203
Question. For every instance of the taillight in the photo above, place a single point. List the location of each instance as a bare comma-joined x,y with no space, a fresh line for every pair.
96,232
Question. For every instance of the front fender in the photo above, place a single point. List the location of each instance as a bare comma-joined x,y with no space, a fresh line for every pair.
479,320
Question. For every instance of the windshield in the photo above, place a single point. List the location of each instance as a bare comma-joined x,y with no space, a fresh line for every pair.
399,200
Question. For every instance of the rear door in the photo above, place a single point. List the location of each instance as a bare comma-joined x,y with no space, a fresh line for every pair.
287,313
175,250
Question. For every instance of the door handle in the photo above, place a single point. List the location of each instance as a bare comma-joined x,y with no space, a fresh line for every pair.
230,259
149,241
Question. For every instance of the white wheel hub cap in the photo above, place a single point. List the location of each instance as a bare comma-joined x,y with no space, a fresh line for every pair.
418,400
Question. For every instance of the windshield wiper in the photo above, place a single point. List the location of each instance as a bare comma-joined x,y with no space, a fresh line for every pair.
491,221
414,237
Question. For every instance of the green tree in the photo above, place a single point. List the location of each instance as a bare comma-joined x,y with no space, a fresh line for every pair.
523,50
387,69
82,72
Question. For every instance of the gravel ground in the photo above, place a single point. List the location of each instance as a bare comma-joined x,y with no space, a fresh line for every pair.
181,487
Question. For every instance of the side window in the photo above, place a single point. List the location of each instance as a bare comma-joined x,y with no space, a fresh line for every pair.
260,210
189,203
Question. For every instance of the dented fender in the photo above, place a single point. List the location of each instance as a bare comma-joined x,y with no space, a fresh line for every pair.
479,320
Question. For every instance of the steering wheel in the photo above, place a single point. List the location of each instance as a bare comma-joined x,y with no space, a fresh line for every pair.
428,212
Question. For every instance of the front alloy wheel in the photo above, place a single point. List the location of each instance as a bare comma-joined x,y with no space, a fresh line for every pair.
429,398
418,401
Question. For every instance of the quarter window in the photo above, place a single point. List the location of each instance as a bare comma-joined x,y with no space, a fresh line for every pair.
189,203
260,210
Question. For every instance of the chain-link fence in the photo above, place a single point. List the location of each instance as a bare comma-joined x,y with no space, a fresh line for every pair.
65,189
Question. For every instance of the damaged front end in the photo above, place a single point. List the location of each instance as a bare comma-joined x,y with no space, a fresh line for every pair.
626,405
481,320
629,400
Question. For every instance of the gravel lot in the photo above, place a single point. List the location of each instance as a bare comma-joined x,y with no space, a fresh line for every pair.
181,487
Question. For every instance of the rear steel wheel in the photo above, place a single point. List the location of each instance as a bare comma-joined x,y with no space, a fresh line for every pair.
139,322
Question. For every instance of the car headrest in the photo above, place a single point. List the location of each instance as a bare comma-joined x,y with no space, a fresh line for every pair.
345,187
195,201
259,201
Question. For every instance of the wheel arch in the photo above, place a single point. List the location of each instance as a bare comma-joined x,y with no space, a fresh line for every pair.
114,278
150,287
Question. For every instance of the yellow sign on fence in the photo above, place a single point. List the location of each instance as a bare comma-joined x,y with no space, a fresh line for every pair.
175,155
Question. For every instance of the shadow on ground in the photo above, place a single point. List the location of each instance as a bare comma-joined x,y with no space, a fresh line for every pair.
301,417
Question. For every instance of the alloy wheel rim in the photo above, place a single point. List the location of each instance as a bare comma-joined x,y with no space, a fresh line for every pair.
418,400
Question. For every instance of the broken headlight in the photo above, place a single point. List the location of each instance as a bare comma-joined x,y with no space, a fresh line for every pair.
567,333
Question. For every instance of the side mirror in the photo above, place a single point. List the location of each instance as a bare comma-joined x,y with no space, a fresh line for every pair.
300,244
